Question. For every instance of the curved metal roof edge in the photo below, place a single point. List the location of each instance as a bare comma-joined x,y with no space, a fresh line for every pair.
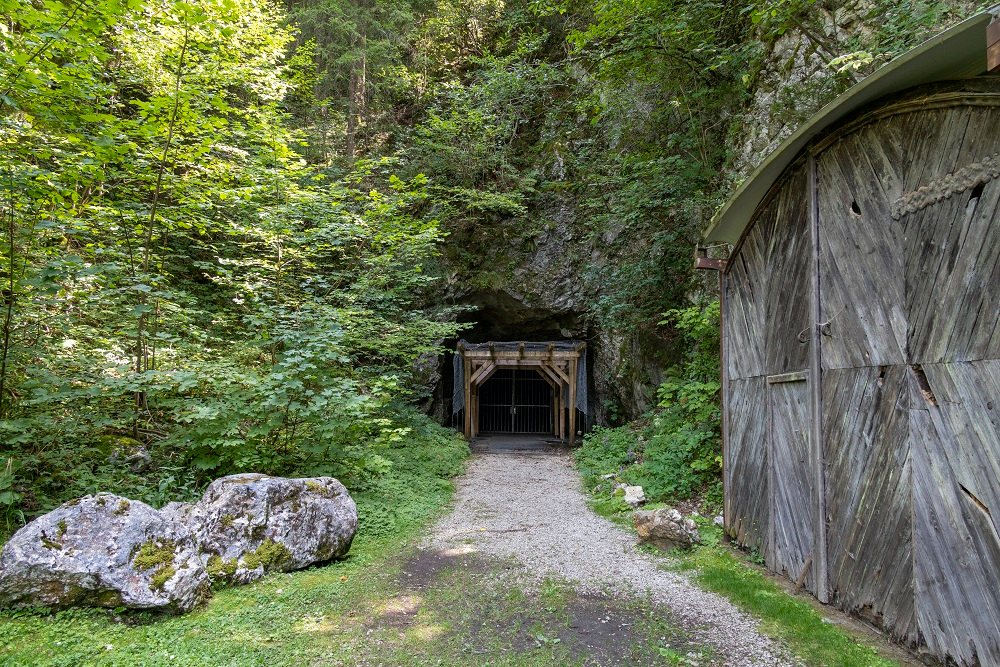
956,53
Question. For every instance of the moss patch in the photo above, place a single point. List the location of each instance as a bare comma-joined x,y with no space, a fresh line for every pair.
220,568
320,489
162,576
63,527
154,553
50,544
122,508
226,520
269,554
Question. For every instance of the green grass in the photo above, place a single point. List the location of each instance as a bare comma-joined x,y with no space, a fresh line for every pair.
310,617
791,620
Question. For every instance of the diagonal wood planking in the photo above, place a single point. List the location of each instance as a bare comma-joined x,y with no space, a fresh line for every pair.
953,278
792,523
747,503
859,255
787,324
956,496
866,434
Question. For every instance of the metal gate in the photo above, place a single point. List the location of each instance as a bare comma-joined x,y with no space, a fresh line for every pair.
515,401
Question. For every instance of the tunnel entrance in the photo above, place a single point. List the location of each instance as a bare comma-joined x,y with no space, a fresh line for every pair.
516,400
521,387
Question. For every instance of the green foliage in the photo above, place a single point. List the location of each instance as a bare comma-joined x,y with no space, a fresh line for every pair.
176,275
283,619
675,452
422,464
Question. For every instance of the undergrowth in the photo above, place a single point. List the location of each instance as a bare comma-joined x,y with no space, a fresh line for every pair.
674,453
282,619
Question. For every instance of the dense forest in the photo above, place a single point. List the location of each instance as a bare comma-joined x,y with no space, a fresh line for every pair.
234,232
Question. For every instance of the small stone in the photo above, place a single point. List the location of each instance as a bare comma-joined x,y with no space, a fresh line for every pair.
610,475
666,528
634,496
719,521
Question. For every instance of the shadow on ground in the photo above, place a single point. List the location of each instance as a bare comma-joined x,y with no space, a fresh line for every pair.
486,611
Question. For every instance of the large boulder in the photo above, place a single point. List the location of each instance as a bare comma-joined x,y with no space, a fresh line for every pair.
104,551
665,528
250,524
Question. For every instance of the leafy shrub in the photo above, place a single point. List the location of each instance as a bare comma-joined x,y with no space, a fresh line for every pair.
675,452
418,480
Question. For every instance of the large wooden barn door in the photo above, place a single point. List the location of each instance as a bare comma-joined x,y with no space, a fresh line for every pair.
909,266
793,516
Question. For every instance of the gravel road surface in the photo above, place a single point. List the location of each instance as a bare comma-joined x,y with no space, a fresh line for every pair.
518,500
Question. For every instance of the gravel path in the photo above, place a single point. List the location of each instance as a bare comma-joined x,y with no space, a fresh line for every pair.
531,507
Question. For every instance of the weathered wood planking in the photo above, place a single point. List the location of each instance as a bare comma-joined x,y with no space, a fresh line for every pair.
746,290
866,431
859,255
908,268
792,515
747,505
953,278
787,324
956,495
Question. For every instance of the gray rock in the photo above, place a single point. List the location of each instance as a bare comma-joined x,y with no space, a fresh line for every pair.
104,551
634,496
719,521
665,528
250,524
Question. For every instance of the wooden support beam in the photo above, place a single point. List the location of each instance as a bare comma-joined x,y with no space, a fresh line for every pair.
554,426
467,376
818,456
564,375
562,416
710,264
993,46
475,410
547,371
572,402
485,369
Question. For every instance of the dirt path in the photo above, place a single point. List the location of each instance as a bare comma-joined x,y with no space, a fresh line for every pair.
529,507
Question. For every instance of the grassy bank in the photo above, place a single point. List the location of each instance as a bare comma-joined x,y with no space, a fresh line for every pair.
284,619
791,620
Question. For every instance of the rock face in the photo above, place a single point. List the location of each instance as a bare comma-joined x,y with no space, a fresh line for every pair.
665,528
248,525
108,551
104,551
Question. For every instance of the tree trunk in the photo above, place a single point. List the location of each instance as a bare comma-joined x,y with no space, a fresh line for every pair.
357,98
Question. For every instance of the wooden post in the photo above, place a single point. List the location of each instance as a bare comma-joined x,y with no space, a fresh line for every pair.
816,382
706,263
572,401
993,46
562,414
467,377
475,410
555,415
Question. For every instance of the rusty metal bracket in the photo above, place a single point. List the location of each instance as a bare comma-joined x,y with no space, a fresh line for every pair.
710,264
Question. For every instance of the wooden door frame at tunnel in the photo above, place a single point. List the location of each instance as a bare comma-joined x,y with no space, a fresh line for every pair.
558,367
